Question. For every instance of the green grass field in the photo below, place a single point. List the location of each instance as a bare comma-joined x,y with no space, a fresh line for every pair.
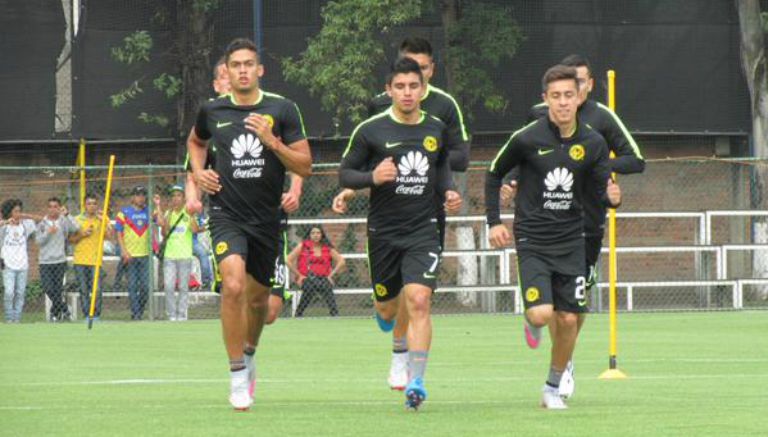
689,374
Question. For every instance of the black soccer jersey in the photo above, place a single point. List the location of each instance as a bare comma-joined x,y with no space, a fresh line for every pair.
419,152
628,158
251,174
442,105
554,173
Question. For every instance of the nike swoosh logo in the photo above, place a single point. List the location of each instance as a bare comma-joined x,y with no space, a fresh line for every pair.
582,303
543,152
426,276
220,125
391,145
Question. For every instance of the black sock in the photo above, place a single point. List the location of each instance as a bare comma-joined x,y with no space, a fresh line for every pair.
236,365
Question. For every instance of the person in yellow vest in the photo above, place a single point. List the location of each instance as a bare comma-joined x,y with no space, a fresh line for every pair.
85,257
176,251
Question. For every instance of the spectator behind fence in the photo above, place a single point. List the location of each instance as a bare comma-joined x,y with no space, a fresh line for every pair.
176,252
132,226
51,237
201,248
315,271
15,230
86,244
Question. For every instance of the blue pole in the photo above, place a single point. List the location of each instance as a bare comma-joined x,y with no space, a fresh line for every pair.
257,24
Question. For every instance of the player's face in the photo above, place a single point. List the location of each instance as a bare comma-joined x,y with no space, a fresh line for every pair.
426,64
315,235
586,82
16,213
139,200
244,70
177,199
53,209
221,82
91,206
562,96
406,90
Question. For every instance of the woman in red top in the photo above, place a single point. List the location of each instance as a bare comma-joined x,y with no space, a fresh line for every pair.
318,263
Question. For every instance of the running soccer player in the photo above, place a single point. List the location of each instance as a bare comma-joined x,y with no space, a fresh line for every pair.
442,105
259,136
561,159
628,160
407,150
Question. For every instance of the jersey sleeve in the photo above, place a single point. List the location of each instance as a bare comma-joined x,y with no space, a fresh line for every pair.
600,171
120,221
508,157
292,124
457,148
628,158
201,124
353,171
537,111
444,181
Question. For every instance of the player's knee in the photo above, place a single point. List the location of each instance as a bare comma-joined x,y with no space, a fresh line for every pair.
539,316
232,288
568,320
419,303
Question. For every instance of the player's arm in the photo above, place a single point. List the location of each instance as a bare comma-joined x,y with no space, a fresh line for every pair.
444,182
338,264
628,158
354,170
120,228
607,190
291,199
197,148
290,261
508,157
292,149
458,147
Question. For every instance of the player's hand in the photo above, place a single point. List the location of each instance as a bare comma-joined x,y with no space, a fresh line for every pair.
194,206
339,205
333,283
53,229
385,172
452,201
156,200
614,193
499,236
127,258
64,211
88,231
208,181
290,202
508,191
259,125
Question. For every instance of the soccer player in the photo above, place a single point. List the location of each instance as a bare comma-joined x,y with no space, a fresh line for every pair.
628,160
561,159
407,150
259,136
442,105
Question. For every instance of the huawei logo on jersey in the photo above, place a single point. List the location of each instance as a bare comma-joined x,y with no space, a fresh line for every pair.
246,143
559,177
413,161
558,196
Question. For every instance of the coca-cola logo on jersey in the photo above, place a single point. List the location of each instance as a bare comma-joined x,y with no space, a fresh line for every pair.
247,173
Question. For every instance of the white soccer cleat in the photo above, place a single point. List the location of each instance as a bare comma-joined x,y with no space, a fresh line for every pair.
239,397
551,400
568,383
398,372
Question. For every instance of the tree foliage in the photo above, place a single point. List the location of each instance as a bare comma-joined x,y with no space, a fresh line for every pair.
338,63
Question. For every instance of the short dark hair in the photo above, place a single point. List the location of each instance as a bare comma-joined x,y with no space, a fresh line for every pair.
222,61
415,45
559,72
402,66
240,44
8,206
577,61
90,196
54,199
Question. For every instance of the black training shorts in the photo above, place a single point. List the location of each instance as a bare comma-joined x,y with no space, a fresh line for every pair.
255,243
279,279
394,263
550,279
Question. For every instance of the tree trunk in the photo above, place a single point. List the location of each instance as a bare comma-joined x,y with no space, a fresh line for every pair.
194,29
753,61
449,12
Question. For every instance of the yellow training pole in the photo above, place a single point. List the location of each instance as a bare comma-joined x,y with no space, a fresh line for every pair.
81,163
613,372
100,249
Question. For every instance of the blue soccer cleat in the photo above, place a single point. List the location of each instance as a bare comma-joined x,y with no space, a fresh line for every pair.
415,394
385,326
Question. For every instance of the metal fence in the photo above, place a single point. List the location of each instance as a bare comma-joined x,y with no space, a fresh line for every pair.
692,236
